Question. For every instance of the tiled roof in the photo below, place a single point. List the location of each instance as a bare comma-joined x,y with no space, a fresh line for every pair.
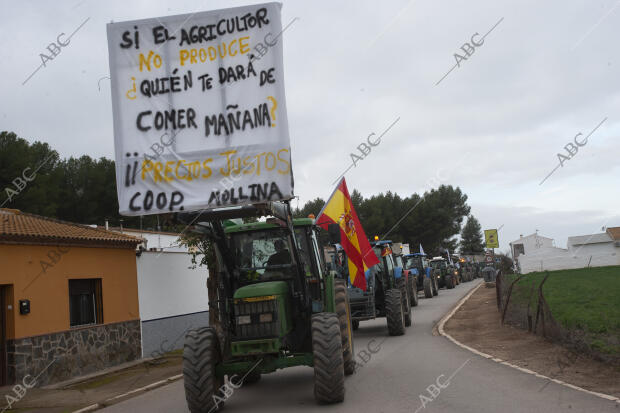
18,227
614,232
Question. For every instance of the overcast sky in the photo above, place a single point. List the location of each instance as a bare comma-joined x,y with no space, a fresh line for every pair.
494,126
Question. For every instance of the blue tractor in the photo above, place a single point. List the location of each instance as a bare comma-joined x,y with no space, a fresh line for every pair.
386,293
420,270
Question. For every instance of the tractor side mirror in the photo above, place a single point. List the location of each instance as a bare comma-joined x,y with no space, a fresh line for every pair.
334,233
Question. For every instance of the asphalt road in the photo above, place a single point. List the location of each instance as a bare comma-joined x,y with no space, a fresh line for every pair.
399,377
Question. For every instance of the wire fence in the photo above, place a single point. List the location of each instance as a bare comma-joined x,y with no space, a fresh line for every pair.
522,303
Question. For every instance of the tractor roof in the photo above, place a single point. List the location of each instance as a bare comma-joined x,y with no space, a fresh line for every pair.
415,254
381,243
259,226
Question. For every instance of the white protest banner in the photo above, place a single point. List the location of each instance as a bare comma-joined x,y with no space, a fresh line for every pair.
199,110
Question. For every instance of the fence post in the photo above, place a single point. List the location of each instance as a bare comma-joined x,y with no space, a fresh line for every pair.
499,281
508,298
541,299
529,303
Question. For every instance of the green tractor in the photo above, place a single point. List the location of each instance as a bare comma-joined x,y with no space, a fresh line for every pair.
275,305
443,273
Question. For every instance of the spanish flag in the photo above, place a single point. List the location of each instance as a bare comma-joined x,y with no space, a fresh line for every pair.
339,210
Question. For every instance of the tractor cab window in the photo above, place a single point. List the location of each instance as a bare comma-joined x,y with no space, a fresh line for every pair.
305,251
439,264
414,262
263,255
389,264
398,260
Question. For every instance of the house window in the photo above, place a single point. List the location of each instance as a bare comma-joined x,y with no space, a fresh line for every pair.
518,250
85,305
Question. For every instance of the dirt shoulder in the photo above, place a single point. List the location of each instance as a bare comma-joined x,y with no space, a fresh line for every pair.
477,324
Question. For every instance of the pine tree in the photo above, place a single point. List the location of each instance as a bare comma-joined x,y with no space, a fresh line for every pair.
471,237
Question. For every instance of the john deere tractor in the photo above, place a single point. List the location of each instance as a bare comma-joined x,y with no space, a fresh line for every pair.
386,294
443,273
276,306
419,269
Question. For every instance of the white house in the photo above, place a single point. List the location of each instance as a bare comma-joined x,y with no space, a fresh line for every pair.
529,244
172,295
537,253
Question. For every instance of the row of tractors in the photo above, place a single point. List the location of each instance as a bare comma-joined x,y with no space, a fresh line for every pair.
277,300
393,285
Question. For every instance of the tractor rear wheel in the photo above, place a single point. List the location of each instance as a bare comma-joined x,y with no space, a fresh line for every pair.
328,361
413,291
401,283
343,310
200,356
394,312
428,288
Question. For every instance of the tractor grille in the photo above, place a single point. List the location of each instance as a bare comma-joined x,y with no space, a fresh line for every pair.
257,329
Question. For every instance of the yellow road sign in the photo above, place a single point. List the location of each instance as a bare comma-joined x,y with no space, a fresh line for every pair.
490,237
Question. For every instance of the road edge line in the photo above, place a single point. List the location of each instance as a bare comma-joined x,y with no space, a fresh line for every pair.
449,315
117,399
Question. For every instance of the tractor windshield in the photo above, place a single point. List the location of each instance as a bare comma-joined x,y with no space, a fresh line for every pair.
263,255
413,262
439,264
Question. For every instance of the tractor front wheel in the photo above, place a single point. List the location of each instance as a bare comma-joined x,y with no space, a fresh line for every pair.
343,310
328,361
428,288
449,281
401,283
394,312
200,356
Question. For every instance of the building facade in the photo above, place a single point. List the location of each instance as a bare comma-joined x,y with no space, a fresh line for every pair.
69,298
537,253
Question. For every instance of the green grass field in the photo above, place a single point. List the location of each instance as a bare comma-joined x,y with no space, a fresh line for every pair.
587,299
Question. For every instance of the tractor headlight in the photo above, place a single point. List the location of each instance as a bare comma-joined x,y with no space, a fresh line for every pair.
244,319
455,272
266,318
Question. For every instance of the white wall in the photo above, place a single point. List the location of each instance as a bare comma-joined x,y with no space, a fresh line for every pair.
166,241
167,287
594,255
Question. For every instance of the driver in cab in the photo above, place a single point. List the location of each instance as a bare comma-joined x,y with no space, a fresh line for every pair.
281,256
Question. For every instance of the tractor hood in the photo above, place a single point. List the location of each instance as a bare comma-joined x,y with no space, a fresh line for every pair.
262,289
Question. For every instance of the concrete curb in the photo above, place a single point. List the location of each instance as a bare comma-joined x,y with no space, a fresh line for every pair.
121,397
444,320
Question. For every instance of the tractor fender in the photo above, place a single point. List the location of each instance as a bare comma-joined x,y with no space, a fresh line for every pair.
398,272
